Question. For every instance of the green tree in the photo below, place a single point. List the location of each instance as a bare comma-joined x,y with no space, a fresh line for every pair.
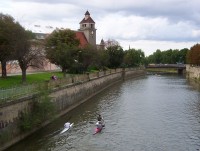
133,57
166,56
62,48
158,56
183,55
103,59
115,53
8,28
89,58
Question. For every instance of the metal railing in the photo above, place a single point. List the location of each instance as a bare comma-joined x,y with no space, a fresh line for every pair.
18,91
13,93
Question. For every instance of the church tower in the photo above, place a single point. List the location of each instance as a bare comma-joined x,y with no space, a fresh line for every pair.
87,25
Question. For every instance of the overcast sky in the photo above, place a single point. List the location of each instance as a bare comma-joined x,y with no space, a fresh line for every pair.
142,24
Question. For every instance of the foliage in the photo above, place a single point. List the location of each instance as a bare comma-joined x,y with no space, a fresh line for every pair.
5,136
133,57
62,48
43,109
168,57
29,53
8,36
193,56
15,44
115,53
88,57
103,59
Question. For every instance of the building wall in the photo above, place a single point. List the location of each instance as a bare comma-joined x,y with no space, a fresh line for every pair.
13,68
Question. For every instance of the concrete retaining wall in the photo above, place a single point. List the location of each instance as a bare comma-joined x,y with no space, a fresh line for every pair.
193,72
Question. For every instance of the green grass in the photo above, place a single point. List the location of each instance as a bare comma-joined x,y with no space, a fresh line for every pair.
16,80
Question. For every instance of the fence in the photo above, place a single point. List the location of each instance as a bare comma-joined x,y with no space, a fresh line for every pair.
25,90
17,92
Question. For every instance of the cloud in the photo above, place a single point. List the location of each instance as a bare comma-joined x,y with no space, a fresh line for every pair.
145,28
143,24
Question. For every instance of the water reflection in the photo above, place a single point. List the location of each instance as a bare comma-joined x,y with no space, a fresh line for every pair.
153,113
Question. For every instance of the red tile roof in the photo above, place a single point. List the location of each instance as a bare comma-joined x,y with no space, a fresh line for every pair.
88,20
82,39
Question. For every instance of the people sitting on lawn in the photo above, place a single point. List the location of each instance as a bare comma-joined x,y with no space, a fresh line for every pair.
53,77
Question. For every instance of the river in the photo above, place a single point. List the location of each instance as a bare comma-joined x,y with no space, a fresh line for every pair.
151,113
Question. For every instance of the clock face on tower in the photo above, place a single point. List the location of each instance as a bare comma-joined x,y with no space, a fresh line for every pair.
92,32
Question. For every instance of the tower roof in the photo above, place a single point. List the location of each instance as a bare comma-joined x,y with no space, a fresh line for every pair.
87,13
102,42
87,19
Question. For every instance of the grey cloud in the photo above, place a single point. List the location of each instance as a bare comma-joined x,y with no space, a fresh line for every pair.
174,11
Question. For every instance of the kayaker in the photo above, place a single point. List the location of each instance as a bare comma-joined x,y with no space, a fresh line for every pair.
67,125
99,125
99,118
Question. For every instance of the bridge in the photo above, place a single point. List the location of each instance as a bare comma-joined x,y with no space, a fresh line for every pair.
179,67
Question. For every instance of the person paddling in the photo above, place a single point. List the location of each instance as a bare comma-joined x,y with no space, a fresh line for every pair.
98,127
67,125
100,119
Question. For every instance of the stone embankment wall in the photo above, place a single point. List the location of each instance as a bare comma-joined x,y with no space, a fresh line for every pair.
193,72
65,99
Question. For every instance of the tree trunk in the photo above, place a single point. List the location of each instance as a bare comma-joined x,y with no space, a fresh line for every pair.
23,75
3,66
64,72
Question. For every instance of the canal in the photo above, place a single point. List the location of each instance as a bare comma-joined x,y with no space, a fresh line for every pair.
151,113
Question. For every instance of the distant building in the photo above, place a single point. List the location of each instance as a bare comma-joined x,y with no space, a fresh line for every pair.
86,35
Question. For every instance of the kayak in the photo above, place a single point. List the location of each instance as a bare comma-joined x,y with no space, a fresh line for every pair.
97,130
66,129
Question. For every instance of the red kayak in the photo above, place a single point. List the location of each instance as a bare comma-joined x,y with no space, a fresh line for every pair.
97,130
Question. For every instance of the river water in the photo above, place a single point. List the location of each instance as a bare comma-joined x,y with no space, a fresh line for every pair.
151,113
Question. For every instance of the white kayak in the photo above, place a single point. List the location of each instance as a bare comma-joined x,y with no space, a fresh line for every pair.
66,129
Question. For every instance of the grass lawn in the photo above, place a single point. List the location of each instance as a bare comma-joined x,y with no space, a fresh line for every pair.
15,80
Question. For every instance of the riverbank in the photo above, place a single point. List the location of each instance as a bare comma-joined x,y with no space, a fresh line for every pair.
193,73
162,113
64,98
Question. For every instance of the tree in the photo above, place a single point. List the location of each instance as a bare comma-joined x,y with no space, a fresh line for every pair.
133,57
193,56
158,56
29,53
62,48
8,29
182,55
89,58
115,53
103,59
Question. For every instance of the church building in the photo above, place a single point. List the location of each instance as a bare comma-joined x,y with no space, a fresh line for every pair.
86,34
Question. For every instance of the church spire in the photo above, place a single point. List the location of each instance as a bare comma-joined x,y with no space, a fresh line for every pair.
87,25
87,15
